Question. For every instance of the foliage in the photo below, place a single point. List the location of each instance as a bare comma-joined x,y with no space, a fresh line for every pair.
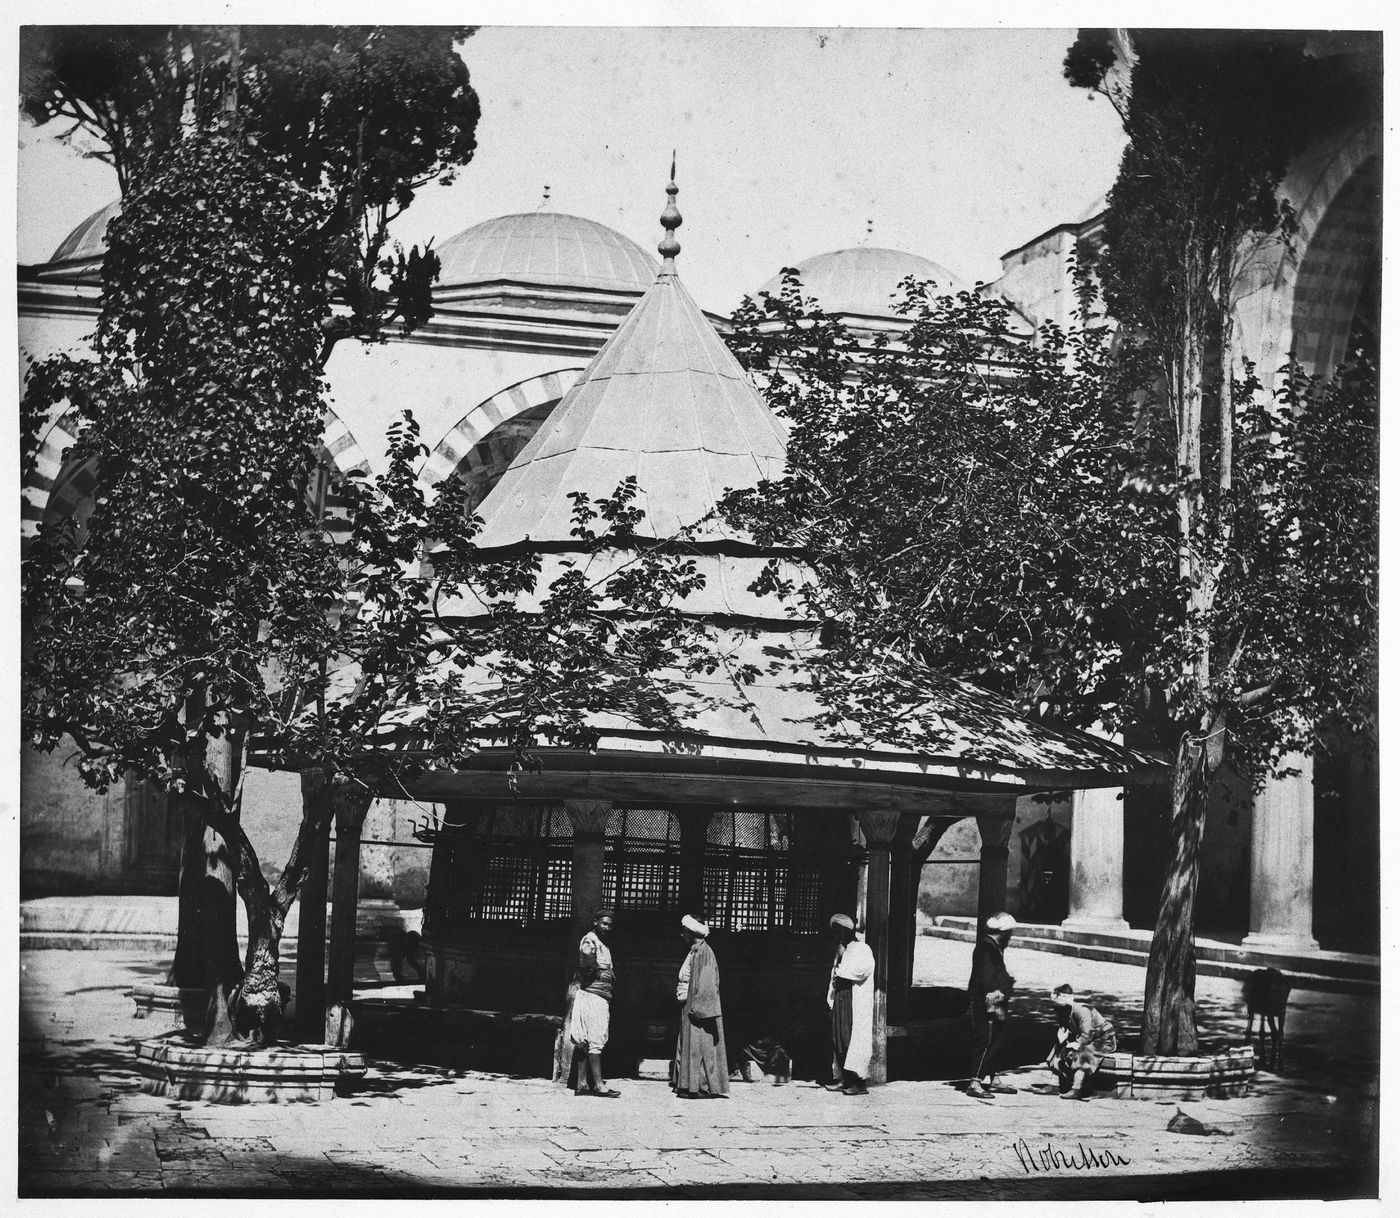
964,496
361,116
1212,122
206,602
1005,511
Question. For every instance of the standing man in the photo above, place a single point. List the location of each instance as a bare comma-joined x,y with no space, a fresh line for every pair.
851,997
588,1025
702,1067
988,994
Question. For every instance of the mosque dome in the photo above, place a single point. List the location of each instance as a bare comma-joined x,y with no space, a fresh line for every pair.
545,248
89,240
863,280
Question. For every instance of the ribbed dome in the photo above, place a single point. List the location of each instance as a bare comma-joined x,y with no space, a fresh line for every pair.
89,239
863,280
545,248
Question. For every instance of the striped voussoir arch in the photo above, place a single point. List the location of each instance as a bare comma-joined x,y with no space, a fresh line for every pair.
456,447
53,488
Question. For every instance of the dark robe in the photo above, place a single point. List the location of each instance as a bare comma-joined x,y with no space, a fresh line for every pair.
702,1066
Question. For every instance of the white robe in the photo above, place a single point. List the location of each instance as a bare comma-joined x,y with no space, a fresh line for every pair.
857,965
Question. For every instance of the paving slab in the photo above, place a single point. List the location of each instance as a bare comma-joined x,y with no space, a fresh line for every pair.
86,1128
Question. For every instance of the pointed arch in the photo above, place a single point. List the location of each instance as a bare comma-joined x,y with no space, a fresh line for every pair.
466,448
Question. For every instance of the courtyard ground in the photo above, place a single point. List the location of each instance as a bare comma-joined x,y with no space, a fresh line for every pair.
85,1127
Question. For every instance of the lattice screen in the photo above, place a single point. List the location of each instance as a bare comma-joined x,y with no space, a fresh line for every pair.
753,877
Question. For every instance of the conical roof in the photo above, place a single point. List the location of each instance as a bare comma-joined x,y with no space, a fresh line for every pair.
665,402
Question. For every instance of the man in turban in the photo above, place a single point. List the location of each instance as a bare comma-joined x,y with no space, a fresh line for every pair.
701,1067
988,996
851,997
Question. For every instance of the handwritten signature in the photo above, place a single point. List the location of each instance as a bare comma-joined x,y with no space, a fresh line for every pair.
1051,1158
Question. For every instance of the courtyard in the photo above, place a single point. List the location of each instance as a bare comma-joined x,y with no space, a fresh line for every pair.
422,1131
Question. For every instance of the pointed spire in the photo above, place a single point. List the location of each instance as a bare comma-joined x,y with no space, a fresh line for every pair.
669,247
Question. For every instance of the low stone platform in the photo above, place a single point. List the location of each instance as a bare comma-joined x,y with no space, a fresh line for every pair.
1218,1075
170,1005
172,1067
1328,972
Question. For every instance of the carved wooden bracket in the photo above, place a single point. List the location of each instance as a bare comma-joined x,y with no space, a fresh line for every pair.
350,802
588,816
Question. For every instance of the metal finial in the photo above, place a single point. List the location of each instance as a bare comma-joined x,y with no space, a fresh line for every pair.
670,218
544,202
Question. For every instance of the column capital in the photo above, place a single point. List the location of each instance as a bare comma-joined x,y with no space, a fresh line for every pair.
885,829
314,782
589,817
350,801
995,831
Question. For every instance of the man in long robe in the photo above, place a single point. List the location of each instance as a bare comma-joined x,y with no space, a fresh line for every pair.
851,997
702,1066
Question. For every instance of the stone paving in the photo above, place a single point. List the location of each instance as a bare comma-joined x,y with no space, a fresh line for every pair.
85,1127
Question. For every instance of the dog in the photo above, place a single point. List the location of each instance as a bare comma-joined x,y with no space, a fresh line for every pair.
1266,993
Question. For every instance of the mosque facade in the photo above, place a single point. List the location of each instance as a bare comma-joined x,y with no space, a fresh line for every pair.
524,304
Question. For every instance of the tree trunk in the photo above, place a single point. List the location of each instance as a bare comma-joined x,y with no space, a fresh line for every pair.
1169,1004
222,972
187,969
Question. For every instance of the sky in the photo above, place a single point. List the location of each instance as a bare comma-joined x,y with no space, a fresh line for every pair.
954,144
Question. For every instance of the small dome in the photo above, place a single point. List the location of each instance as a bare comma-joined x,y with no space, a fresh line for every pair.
864,280
89,240
545,248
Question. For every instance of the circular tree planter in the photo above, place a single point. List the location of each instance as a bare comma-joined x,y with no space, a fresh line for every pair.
171,1004
1216,1075
170,1066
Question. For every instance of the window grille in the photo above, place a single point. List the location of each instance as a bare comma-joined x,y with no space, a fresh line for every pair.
762,870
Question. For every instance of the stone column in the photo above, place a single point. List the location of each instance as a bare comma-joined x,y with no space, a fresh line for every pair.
1281,862
995,830
1096,862
311,916
590,820
351,802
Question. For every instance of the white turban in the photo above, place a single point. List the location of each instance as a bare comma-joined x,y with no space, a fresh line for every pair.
695,926
1000,922
842,920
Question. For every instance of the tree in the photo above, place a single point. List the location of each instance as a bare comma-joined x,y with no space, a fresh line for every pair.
362,116
1005,512
206,605
1212,121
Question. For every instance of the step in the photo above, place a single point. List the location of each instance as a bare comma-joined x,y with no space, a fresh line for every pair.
1330,972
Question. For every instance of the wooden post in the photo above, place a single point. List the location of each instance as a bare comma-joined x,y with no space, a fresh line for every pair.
903,904
590,820
995,829
351,802
311,917
880,830
692,887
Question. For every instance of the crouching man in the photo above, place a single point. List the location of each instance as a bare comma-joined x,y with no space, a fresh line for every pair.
1082,1040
